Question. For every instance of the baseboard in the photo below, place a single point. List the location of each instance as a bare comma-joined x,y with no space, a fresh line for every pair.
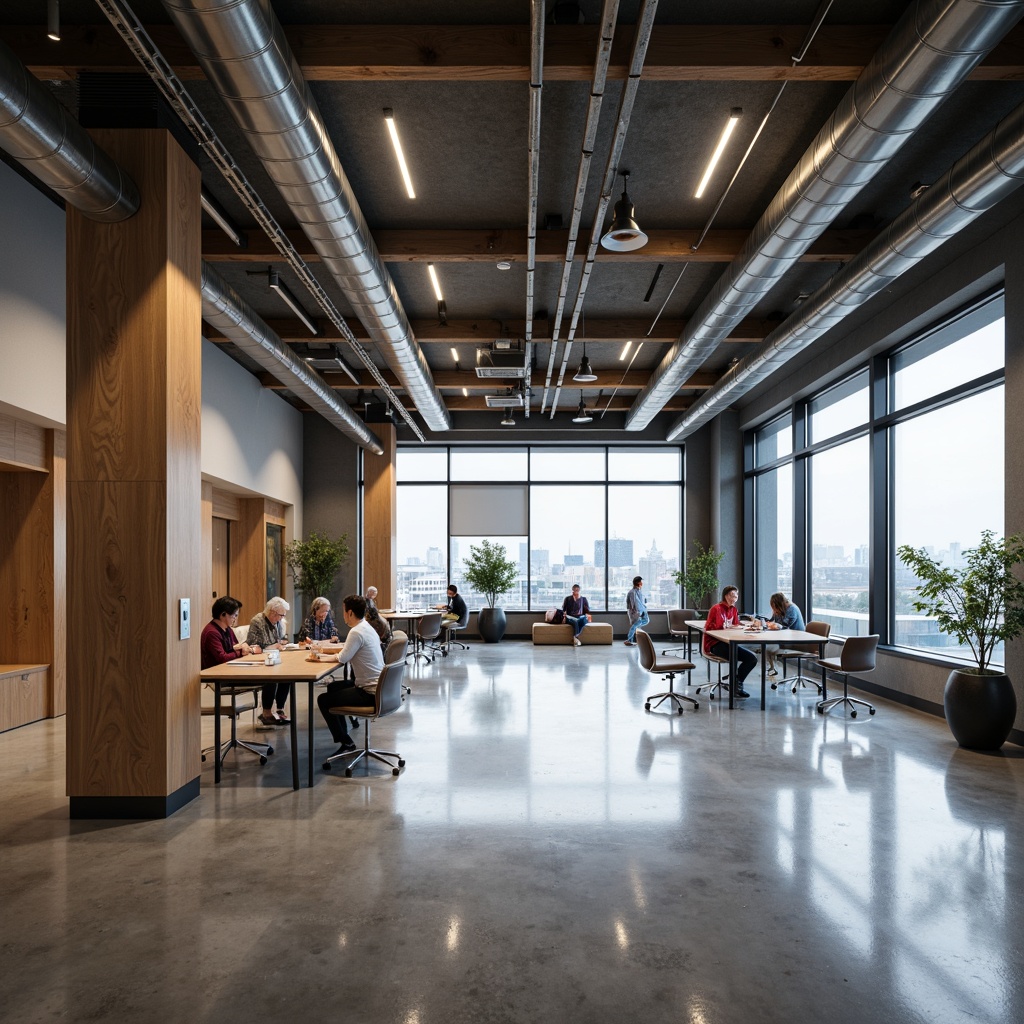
139,808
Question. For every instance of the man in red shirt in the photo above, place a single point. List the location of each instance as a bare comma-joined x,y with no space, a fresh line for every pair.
724,616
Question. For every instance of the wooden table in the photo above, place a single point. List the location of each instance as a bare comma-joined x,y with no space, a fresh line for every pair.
762,638
244,672
413,619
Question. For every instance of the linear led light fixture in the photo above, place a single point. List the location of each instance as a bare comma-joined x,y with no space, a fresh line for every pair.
625,351
220,218
389,120
275,282
455,356
53,20
734,116
442,309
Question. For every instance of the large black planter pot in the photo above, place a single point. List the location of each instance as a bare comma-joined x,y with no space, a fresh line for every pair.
490,622
980,709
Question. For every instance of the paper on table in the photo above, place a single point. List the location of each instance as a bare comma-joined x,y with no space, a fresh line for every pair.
291,647
240,662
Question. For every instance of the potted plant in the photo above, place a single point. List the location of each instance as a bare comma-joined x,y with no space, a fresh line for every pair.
314,563
491,573
980,603
699,577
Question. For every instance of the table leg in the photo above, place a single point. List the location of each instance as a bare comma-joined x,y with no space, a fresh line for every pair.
295,738
764,672
821,655
216,732
732,674
311,723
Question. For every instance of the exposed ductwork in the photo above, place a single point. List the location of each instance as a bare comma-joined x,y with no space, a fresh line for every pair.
934,46
226,310
975,183
43,137
246,57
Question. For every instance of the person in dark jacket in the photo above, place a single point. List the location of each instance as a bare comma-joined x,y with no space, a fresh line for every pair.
577,613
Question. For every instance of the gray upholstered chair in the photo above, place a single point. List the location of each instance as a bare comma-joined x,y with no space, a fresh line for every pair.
429,631
797,653
856,657
677,619
387,699
668,667
451,627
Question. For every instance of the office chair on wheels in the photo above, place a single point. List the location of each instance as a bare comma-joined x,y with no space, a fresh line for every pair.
677,619
797,653
856,657
668,668
451,627
230,708
719,686
387,699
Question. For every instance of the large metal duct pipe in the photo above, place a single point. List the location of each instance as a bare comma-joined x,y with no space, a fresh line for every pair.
246,57
226,310
978,181
43,137
934,46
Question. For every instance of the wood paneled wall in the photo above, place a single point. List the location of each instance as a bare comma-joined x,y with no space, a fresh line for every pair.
33,573
380,520
134,498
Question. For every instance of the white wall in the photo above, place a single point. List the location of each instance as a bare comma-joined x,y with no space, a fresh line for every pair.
32,304
252,439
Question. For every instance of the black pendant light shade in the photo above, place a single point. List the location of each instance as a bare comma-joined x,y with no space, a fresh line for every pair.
624,235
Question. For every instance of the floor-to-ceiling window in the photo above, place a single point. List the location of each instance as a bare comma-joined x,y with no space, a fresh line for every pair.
908,449
596,516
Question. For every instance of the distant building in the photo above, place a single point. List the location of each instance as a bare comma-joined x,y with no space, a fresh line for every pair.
572,560
653,567
620,552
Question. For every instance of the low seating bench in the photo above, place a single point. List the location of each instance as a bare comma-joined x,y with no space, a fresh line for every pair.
550,633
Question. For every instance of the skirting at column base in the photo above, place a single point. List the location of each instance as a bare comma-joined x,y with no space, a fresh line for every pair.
133,807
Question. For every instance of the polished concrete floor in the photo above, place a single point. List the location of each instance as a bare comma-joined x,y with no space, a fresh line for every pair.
550,853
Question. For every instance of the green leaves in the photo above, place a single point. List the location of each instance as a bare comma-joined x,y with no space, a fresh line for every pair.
314,563
700,576
489,571
981,603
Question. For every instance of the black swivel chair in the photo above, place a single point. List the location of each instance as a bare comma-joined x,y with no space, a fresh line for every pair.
231,708
857,656
387,699
668,667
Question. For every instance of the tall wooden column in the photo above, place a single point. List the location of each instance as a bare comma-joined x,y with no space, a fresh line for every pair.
134,510
380,518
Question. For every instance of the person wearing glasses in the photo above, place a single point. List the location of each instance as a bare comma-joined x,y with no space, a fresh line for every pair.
218,642
266,631
724,616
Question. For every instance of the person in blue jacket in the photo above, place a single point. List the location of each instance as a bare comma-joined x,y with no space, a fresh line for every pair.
636,609
785,615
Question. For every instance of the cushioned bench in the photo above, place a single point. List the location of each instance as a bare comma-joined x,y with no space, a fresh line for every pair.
550,633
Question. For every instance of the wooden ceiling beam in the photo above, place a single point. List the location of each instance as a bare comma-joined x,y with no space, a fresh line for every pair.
451,382
483,331
489,246
501,53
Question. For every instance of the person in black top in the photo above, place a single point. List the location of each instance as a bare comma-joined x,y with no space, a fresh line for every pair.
577,613
456,606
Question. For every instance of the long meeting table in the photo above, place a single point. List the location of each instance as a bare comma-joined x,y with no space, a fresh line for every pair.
244,672
742,636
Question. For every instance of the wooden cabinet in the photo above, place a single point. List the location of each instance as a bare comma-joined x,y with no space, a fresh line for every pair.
23,696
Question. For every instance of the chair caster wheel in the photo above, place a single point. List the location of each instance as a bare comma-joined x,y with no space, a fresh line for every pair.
270,750
711,696
871,711
775,686
394,771
821,711
263,759
203,756
326,766
348,773
647,706
679,711
853,714
401,763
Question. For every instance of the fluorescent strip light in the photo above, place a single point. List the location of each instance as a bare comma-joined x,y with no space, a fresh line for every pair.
434,281
719,149
625,351
465,392
455,355
389,120
277,285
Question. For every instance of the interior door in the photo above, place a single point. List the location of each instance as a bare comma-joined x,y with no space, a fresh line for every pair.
221,552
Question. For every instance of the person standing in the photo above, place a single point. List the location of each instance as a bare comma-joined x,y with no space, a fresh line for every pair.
362,650
636,609
724,616
577,613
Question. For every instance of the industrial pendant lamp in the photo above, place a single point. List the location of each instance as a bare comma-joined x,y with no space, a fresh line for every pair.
582,416
624,235
584,373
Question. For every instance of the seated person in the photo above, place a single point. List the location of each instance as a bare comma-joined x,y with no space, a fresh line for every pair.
577,613
456,606
319,625
381,626
371,598
218,642
723,616
363,653
785,615
266,631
